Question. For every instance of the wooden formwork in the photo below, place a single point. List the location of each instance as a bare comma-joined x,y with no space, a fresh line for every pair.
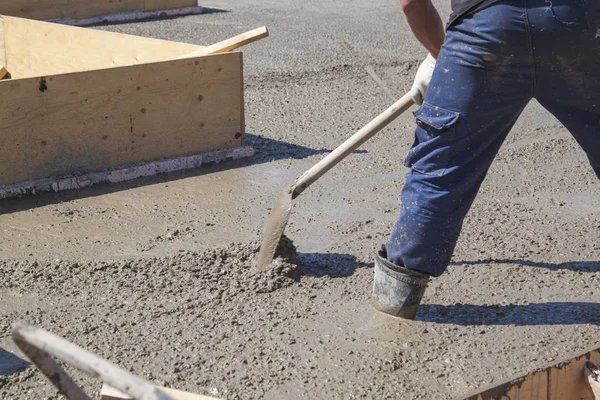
82,9
83,101
563,381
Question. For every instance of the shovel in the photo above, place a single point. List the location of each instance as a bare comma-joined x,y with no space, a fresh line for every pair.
283,205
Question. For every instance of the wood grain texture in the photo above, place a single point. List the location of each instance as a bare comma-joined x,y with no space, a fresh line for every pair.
2,50
592,373
128,17
88,121
48,9
35,48
564,381
44,9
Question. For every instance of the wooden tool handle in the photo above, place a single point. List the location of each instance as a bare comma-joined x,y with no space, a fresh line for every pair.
40,345
230,44
353,143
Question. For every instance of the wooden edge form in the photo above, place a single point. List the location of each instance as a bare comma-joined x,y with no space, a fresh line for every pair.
242,102
4,74
122,174
2,43
564,380
593,377
128,16
110,393
231,44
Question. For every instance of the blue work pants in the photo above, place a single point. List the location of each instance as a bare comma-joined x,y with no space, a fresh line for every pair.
492,63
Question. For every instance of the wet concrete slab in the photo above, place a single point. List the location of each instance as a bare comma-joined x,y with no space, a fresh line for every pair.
135,285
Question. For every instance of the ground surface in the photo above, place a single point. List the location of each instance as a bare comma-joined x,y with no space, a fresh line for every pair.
144,273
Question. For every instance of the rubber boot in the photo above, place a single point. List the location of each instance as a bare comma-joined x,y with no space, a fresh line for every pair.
397,290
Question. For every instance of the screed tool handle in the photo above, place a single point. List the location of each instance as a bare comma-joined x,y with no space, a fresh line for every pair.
353,143
40,346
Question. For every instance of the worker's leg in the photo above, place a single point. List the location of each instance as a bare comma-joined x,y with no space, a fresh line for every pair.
567,62
482,82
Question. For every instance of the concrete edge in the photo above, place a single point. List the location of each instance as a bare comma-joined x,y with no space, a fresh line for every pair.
124,173
128,16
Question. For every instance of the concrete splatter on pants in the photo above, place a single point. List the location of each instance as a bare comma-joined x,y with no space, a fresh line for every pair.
492,63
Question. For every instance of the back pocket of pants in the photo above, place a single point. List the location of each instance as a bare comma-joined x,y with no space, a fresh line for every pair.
433,137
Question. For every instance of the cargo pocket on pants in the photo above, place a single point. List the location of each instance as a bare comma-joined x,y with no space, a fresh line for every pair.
433,137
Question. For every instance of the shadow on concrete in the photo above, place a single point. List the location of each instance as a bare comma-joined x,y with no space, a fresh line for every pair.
580,266
163,17
554,313
11,364
332,265
267,150
211,10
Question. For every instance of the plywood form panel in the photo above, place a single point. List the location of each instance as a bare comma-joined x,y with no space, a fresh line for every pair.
2,50
564,381
35,48
82,122
50,9
46,9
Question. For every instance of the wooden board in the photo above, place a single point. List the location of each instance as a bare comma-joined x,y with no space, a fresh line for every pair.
50,9
110,393
564,381
592,374
34,48
2,50
88,121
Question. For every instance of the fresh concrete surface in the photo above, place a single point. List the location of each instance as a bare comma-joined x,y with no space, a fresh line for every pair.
522,291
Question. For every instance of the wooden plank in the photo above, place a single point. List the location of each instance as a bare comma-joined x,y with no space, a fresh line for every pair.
83,9
4,72
592,374
564,381
2,50
35,48
100,119
46,9
232,43
110,393
154,5
129,16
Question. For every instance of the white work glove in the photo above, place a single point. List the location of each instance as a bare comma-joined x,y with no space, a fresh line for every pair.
421,83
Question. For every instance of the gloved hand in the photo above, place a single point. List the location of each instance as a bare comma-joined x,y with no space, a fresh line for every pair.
421,83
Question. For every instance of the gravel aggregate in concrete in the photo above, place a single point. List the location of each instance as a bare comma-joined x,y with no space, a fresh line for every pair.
155,274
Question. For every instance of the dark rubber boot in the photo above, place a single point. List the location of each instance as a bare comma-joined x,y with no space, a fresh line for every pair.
397,290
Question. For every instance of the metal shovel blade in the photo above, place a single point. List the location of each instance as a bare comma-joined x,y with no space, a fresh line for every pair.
280,214
281,210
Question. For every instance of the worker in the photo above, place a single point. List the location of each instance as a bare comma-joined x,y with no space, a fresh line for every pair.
491,59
